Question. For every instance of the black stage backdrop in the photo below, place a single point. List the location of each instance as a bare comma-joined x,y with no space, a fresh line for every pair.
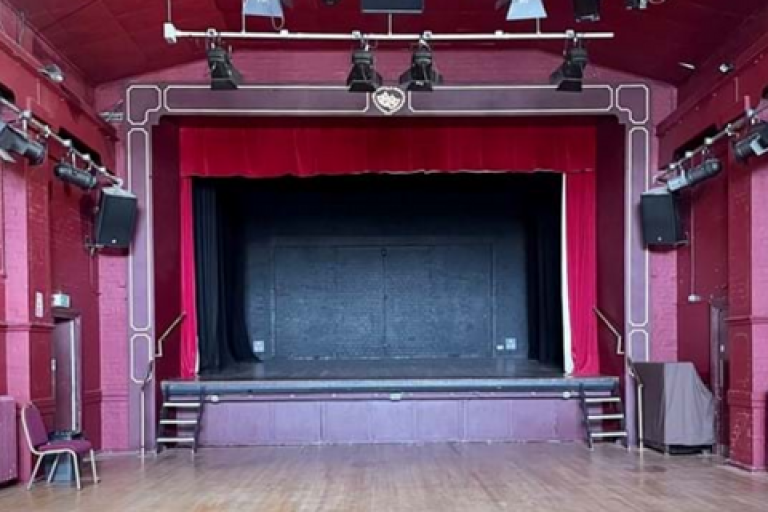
379,267
545,298
223,338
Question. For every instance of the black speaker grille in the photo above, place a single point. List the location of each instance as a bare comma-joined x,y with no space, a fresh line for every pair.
661,220
115,219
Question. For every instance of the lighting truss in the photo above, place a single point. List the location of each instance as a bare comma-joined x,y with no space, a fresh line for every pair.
27,119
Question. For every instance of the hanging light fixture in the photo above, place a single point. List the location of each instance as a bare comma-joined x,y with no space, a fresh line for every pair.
692,177
569,77
523,9
68,173
422,75
224,75
363,76
53,72
586,10
636,4
754,143
265,8
15,141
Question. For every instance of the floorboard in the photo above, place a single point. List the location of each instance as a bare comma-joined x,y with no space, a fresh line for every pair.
418,478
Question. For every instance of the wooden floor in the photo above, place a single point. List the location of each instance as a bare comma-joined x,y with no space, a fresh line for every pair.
443,477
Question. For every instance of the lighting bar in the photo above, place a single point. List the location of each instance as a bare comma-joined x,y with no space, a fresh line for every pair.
730,130
172,35
26,118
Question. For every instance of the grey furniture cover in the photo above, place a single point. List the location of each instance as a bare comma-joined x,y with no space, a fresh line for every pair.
678,409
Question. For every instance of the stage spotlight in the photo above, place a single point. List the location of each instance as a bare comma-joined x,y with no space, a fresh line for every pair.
363,76
754,143
13,140
224,75
636,4
586,10
569,77
74,176
422,75
692,177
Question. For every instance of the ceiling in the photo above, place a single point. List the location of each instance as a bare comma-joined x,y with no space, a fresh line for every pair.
113,39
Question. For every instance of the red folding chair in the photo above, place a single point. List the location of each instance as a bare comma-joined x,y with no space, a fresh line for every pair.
41,446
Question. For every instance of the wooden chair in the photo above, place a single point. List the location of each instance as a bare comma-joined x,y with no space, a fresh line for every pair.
41,446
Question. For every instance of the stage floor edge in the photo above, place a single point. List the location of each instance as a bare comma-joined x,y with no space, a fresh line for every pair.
409,376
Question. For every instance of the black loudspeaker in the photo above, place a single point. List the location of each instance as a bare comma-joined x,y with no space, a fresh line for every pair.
661,219
393,6
115,218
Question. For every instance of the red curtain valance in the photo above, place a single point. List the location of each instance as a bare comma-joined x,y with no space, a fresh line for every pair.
309,147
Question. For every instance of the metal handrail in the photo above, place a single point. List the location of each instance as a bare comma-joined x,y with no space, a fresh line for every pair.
143,406
614,330
631,371
168,332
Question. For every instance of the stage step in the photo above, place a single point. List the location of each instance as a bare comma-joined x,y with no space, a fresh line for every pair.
173,429
603,408
604,400
602,417
165,440
606,435
178,422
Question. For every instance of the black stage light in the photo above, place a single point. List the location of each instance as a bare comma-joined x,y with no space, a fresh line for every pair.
13,140
224,75
692,177
74,176
569,77
636,4
586,10
422,75
363,76
754,143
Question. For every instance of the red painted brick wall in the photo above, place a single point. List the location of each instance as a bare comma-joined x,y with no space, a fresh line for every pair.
43,229
731,253
75,271
702,270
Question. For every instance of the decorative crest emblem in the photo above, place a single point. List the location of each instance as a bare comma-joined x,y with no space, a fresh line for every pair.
389,100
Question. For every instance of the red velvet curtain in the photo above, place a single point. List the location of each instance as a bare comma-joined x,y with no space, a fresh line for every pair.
581,257
188,293
316,146
342,146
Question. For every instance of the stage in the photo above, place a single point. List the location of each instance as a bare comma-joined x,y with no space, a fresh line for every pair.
453,375
283,402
